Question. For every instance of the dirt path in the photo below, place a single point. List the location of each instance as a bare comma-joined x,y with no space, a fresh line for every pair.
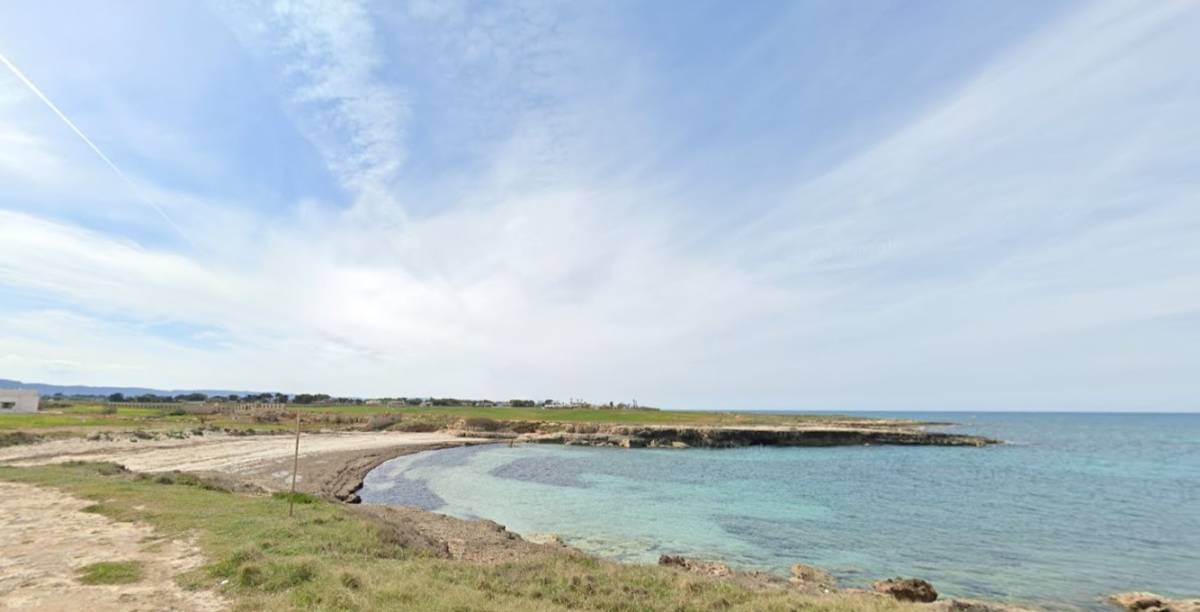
331,464
46,539
211,452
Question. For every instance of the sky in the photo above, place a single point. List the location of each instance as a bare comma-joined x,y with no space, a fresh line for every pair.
827,205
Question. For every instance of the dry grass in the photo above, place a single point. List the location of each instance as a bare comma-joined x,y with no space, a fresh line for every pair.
327,558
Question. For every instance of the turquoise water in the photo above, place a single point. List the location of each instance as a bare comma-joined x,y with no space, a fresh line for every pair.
1078,506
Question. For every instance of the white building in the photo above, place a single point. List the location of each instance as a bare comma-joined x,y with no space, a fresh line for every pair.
18,400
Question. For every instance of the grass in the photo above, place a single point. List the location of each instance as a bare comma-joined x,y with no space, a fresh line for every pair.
111,572
90,417
93,417
582,415
328,558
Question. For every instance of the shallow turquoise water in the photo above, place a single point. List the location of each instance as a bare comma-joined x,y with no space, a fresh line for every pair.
1078,506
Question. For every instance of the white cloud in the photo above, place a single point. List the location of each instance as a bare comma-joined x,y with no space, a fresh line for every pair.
983,256
331,65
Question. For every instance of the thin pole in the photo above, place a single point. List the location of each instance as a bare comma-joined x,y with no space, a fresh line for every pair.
295,466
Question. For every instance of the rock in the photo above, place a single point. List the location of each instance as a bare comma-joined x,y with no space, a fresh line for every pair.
678,444
707,568
493,526
672,560
972,605
907,589
552,539
1149,602
807,576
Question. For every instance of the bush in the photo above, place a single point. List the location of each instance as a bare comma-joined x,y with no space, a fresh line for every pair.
418,426
17,438
299,498
483,424
350,581
282,576
381,422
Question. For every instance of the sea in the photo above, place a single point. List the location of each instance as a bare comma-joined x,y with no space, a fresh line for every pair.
1074,507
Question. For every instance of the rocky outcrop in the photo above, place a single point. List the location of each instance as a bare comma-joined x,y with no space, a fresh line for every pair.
972,605
646,436
707,568
812,578
1149,602
907,589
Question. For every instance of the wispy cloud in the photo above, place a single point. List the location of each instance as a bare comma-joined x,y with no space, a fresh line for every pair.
332,70
91,145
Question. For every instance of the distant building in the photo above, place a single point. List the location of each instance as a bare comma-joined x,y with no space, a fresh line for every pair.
18,400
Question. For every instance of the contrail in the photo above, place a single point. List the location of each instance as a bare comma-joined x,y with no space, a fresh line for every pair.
78,132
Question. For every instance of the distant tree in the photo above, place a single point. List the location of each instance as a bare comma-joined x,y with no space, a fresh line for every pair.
517,403
310,398
116,397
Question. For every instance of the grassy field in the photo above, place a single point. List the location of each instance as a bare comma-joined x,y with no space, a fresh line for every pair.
95,416
583,415
327,558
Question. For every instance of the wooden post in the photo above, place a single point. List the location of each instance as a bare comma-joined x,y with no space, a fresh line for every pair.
295,466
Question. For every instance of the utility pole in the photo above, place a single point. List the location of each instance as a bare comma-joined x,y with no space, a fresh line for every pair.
295,466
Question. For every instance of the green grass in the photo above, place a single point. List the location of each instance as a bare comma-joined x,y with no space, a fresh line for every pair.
328,558
581,415
111,572
92,417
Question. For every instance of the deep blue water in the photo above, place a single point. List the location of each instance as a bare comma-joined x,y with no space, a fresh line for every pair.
1076,507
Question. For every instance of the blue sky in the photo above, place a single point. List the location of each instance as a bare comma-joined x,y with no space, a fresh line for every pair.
824,205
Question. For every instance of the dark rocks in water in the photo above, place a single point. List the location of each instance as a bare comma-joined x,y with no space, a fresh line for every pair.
659,436
1149,602
708,568
907,589
972,605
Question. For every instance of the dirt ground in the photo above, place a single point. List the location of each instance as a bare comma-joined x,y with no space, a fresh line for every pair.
331,464
46,540
211,452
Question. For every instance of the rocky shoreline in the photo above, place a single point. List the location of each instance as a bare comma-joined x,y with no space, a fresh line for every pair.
338,475
662,436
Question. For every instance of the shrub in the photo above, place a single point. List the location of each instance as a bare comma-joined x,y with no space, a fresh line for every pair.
482,424
282,576
350,581
298,498
381,422
17,437
417,426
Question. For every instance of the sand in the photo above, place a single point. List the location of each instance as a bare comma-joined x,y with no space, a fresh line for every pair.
46,539
212,452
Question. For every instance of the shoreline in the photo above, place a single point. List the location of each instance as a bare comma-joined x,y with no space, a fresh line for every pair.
805,578
844,432
337,474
